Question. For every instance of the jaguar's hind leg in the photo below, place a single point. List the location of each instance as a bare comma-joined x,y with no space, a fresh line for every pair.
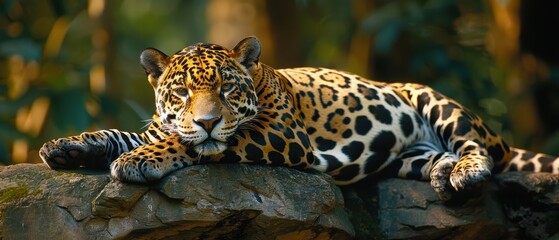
462,133
426,161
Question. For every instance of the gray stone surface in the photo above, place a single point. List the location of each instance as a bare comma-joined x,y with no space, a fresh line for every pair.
212,201
262,202
412,209
34,198
531,200
513,205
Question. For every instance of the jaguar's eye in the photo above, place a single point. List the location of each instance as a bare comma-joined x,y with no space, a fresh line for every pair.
227,87
180,91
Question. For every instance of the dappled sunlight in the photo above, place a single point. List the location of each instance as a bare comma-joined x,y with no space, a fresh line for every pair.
95,8
20,149
31,120
17,81
97,79
56,37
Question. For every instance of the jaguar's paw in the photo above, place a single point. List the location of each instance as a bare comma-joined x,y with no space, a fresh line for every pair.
71,153
469,174
440,176
133,168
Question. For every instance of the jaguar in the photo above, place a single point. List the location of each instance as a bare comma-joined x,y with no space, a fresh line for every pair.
215,105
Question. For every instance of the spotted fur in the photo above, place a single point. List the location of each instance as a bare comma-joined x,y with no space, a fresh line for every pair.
217,105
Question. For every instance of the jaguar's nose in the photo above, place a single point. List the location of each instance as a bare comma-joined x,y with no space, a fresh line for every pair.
207,124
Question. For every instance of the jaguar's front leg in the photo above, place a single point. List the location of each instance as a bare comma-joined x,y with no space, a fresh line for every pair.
152,161
91,150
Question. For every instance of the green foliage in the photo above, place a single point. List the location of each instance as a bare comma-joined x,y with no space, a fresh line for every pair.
427,30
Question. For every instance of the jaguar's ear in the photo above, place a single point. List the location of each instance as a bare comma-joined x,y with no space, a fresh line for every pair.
154,62
247,52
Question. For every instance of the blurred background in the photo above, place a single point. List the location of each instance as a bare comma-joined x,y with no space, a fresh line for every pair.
73,66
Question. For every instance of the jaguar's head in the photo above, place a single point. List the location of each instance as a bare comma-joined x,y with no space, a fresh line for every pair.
204,92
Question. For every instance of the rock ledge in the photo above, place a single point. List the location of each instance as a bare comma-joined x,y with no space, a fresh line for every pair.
207,201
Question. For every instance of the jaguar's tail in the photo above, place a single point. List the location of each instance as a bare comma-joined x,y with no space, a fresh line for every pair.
524,160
